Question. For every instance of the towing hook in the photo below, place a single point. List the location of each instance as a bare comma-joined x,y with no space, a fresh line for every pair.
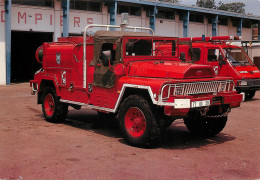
204,111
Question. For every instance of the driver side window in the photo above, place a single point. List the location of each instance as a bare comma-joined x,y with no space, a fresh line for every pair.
107,54
213,55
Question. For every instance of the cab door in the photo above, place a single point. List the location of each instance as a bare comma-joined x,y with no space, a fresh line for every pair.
215,58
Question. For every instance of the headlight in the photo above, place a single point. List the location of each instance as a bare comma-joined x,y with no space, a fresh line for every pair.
243,72
242,83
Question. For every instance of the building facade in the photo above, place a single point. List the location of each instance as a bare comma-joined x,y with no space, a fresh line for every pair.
26,24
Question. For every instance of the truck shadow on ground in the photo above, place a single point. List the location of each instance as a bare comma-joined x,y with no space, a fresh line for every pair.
252,100
175,137
178,137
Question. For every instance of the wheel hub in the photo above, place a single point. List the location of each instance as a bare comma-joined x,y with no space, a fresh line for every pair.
49,105
135,122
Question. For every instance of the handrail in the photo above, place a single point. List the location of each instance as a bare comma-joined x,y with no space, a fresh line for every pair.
107,28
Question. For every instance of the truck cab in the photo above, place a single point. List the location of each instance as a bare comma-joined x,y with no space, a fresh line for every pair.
226,59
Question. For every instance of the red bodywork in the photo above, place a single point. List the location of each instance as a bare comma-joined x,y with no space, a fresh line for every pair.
62,65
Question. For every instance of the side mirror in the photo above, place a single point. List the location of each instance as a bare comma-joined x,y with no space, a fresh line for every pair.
182,56
105,57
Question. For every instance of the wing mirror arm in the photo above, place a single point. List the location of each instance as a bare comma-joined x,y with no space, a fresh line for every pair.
222,61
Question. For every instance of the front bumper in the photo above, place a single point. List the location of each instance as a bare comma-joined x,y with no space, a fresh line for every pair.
186,103
248,85
248,88
34,86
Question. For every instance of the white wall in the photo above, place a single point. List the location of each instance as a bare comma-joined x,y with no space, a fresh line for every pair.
80,19
26,18
247,34
180,29
56,19
133,21
2,46
223,30
232,31
196,29
165,27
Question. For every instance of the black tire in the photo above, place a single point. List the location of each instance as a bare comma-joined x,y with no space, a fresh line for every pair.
151,134
54,111
249,95
205,126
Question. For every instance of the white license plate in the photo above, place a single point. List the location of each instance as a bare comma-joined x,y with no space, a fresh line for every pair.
200,103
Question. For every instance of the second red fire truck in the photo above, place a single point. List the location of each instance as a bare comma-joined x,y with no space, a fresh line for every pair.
226,59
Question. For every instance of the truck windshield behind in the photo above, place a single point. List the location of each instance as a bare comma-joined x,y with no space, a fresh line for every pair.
154,47
237,57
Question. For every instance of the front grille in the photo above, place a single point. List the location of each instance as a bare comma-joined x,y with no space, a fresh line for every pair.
196,88
256,82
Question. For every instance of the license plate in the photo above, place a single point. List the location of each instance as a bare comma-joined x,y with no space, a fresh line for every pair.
200,103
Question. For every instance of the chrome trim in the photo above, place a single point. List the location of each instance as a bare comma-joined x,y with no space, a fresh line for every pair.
87,105
37,87
33,91
197,88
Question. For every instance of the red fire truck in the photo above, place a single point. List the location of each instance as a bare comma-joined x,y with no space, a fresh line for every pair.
226,59
126,74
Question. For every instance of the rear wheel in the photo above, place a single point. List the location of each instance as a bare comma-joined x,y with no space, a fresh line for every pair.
138,123
249,95
205,126
53,110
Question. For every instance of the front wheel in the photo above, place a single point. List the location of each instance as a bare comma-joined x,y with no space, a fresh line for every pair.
138,123
205,126
53,110
249,95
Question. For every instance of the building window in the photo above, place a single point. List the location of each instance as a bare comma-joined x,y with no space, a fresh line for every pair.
165,14
235,22
193,17
94,6
223,21
131,10
196,18
47,3
247,23
85,5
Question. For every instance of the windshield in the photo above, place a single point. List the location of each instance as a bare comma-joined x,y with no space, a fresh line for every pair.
150,47
237,57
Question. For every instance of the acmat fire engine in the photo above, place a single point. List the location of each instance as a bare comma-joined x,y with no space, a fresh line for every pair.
126,74
226,59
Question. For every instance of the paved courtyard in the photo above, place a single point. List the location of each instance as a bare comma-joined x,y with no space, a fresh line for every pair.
31,148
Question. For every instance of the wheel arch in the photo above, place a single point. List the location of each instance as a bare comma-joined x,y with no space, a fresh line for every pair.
43,85
143,91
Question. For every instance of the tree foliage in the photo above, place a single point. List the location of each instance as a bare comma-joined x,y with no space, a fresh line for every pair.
206,4
237,7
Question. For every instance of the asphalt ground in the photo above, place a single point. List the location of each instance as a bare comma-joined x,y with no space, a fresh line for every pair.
31,148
